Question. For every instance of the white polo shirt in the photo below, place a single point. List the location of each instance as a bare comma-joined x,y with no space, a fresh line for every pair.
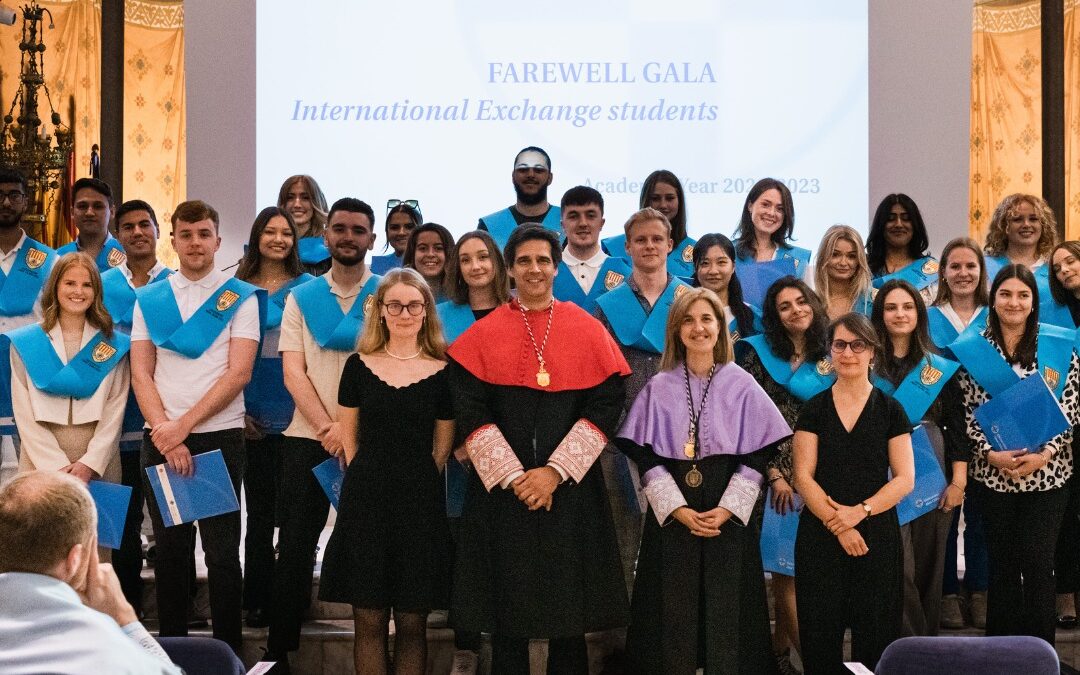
181,382
585,271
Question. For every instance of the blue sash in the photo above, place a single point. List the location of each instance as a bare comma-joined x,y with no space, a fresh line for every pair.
455,319
616,247
864,305
501,223
275,305
112,254
381,264
332,328
634,328
20,287
680,262
801,257
807,381
921,387
119,297
920,274
82,375
611,274
312,250
756,325
191,338
993,374
1050,312
942,331
994,263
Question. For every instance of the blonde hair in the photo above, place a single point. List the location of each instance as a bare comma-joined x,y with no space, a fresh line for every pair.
375,334
43,515
96,314
863,280
674,349
997,237
646,215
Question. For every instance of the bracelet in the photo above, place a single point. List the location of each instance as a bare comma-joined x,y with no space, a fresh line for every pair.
774,479
957,487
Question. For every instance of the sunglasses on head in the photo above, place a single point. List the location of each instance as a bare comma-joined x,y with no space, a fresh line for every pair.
394,203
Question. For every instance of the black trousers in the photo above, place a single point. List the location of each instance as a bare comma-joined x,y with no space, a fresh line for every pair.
262,480
1067,556
566,656
1021,535
128,559
221,544
304,509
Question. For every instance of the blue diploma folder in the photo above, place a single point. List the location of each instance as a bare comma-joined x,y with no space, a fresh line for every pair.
112,501
457,484
929,479
206,493
330,476
778,538
756,278
1023,417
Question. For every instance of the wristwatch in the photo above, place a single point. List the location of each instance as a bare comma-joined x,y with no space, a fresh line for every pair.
866,508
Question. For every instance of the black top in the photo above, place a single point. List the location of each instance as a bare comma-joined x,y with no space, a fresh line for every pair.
481,313
852,466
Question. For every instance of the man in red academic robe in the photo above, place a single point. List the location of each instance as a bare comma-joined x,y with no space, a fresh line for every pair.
538,390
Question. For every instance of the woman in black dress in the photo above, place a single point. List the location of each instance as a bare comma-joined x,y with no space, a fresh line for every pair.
848,570
389,547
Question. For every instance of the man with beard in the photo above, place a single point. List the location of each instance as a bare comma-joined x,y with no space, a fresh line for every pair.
92,200
319,328
531,178
25,264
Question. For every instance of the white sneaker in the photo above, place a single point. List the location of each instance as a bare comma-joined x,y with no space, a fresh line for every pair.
465,662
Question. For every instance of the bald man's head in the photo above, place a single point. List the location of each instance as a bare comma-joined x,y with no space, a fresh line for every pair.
43,515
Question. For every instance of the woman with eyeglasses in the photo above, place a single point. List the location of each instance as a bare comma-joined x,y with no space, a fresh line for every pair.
426,251
302,197
848,572
714,269
909,369
1023,493
897,246
402,217
842,276
790,361
388,551
701,432
271,261
663,191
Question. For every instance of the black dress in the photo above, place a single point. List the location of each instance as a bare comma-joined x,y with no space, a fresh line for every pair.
834,590
390,543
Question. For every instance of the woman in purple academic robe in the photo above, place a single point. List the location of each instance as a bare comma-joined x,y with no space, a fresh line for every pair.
702,432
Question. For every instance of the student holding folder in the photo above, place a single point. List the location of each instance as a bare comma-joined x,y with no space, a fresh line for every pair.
1022,491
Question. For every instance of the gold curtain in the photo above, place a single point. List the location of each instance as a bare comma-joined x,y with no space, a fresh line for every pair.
154,104
1006,110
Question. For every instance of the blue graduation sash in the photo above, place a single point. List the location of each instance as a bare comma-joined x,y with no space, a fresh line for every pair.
119,297
191,338
1050,312
634,328
680,262
20,287
332,328
611,274
501,223
920,387
993,374
275,305
312,250
994,263
82,375
381,264
800,256
616,247
865,304
920,274
112,253
807,381
455,319
757,326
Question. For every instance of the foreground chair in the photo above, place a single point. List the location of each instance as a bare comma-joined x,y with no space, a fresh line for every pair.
202,656
1004,655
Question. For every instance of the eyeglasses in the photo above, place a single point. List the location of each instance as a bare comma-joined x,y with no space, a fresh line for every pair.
857,346
15,196
394,308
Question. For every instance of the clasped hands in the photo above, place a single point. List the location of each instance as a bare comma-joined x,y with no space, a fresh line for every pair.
536,487
842,525
1016,463
702,523
168,437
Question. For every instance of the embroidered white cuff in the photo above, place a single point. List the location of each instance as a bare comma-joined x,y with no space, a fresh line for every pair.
492,456
663,494
740,496
579,450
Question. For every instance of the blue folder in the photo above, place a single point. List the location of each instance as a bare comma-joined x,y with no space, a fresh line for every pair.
1023,417
112,501
330,476
929,479
778,538
755,278
206,493
457,484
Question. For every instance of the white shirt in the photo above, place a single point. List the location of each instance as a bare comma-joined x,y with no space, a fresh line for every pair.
7,261
157,269
181,382
957,323
585,271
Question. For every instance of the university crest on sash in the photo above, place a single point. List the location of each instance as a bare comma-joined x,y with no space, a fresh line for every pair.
612,279
824,367
930,375
369,302
688,253
735,336
680,289
930,267
103,351
35,258
1051,376
116,257
226,300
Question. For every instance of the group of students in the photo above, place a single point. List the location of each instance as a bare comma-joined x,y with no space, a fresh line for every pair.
434,384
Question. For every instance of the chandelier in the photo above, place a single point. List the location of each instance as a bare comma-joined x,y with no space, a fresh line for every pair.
25,144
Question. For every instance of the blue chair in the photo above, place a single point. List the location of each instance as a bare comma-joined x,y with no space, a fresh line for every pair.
1004,655
202,656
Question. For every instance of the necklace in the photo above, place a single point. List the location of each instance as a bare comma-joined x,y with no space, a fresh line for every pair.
690,448
402,358
543,377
